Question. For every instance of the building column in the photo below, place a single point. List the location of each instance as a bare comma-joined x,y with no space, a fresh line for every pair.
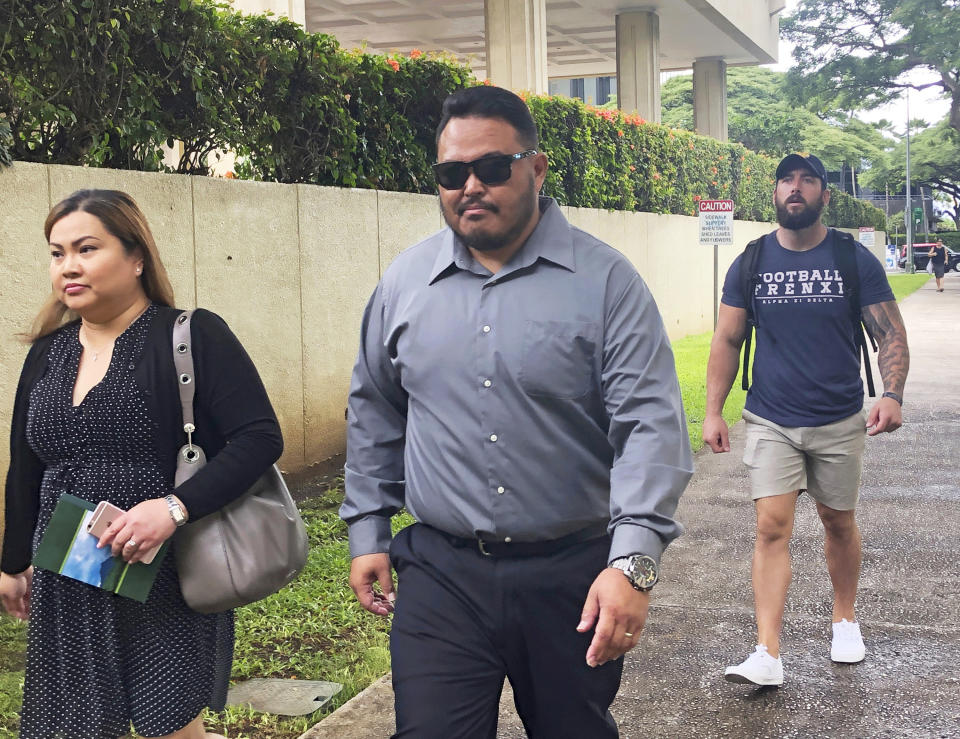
295,10
516,39
638,64
710,98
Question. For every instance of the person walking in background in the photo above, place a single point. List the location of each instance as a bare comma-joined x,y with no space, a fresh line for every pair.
938,258
97,415
516,391
804,412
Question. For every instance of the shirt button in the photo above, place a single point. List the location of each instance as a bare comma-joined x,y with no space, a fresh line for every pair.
501,490
486,329
507,540
487,383
493,437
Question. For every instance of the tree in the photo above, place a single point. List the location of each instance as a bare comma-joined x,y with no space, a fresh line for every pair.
856,54
895,223
5,141
934,162
761,117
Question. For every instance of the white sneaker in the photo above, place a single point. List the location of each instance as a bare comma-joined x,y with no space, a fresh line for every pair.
847,645
759,668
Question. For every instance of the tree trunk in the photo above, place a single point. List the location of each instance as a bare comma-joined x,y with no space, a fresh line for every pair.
954,89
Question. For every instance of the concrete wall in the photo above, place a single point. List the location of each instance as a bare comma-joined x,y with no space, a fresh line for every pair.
290,268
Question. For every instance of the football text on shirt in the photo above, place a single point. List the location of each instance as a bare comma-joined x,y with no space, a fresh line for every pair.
800,286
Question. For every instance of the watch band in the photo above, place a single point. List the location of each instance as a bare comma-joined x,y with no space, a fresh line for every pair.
896,397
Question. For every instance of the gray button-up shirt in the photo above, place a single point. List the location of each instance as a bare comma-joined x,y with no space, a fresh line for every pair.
517,406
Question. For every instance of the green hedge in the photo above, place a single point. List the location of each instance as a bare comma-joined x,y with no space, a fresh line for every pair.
847,211
949,238
103,83
604,159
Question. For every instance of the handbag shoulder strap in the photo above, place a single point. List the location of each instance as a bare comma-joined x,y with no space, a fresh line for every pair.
183,361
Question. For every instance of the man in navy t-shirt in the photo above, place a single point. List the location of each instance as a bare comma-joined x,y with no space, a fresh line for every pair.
804,413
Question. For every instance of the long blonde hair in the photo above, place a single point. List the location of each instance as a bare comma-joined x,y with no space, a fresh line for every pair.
121,216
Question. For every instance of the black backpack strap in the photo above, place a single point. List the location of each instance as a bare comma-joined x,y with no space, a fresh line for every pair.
748,282
845,257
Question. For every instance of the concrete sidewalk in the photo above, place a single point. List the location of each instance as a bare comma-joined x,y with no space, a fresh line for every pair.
702,614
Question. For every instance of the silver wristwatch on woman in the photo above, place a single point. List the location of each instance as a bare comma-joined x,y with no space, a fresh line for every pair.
176,512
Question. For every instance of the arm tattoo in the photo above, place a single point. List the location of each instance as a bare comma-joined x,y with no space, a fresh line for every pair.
886,325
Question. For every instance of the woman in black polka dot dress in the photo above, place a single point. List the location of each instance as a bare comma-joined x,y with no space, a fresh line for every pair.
97,415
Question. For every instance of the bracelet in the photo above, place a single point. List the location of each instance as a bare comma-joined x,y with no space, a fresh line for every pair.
896,397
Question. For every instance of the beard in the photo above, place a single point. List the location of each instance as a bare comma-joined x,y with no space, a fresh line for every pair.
482,239
802,218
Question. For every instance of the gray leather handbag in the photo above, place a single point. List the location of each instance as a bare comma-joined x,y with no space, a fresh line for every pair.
251,547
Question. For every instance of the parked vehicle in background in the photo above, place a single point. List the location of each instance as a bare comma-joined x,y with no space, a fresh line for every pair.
920,257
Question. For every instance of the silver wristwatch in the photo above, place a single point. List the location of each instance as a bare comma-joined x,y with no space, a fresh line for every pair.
641,570
176,512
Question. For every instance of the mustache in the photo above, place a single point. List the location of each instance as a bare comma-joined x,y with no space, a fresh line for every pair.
796,199
462,208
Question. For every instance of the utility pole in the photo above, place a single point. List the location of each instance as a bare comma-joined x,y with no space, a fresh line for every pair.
907,210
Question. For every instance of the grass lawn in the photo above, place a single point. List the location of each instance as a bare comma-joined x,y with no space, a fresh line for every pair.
690,354
904,284
314,629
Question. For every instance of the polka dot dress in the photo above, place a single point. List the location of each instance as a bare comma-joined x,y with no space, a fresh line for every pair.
97,661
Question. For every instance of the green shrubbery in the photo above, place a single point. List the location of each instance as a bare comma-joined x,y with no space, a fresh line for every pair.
850,212
100,83
949,238
107,84
601,158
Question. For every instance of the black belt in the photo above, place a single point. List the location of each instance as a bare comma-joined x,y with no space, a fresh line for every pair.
492,548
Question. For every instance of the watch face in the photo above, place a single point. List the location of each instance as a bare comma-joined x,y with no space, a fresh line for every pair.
644,572
176,512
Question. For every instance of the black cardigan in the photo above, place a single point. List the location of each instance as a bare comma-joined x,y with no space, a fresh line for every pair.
236,425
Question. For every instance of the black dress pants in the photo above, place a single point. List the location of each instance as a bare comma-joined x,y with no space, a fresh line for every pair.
464,620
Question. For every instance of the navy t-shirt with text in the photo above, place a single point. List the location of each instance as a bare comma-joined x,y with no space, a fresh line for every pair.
806,366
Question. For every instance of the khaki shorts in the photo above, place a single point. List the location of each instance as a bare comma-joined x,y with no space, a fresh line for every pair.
823,460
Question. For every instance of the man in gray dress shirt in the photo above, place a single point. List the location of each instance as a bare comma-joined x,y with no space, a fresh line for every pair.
515,391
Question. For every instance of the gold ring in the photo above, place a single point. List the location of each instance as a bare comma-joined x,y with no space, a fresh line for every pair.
628,634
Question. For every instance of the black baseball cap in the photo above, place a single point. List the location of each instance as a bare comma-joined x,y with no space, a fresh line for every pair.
797,161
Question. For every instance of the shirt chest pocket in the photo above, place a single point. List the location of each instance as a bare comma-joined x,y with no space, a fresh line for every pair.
558,358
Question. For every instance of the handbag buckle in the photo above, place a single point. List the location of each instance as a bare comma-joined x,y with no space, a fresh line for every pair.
190,453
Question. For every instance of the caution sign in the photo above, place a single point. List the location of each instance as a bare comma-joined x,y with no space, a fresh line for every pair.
716,222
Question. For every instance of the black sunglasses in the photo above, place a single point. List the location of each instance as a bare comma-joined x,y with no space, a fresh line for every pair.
490,170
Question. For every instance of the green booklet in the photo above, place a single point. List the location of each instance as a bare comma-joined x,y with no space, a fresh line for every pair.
70,550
